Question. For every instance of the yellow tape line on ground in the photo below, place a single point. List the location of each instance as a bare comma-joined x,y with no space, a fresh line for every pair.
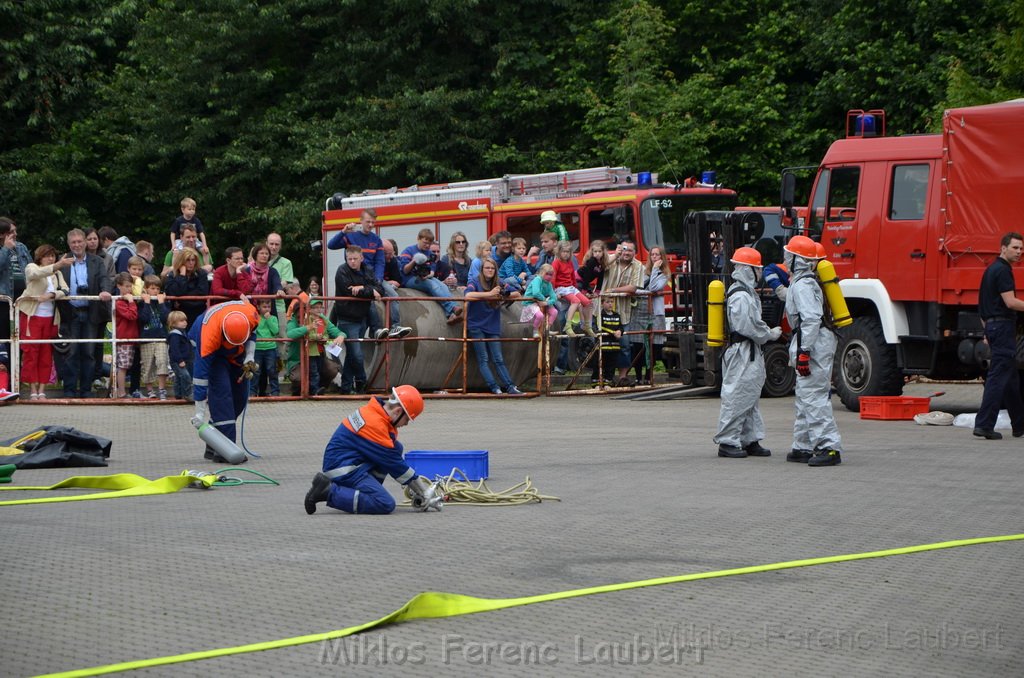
118,485
432,605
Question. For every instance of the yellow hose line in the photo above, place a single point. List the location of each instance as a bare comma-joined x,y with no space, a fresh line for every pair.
119,485
434,605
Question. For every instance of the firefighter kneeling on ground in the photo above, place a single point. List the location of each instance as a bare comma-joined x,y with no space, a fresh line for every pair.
816,440
740,427
224,360
363,451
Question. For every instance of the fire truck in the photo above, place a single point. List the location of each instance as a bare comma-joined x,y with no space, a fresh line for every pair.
600,203
911,223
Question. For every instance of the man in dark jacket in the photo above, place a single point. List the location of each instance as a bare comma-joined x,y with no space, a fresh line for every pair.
352,315
83,319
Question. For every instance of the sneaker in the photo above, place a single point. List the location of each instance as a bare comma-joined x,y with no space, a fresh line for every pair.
496,391
589,331
8,395
400,332
454,318
98,384
731,452
754,449
799,456
151,394
825,458
512,390
558,370
382,333
162,394
318,492
569,331
136,394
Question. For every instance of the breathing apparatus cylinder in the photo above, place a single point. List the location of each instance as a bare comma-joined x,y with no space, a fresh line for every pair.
716,313
220,444
833,293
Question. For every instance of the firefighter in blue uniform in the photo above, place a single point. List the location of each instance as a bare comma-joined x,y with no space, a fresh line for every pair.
363,451
225,350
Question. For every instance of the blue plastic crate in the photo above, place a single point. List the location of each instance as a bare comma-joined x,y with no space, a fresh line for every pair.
432,463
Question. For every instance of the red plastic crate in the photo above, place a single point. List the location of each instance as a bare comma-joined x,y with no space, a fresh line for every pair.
892,407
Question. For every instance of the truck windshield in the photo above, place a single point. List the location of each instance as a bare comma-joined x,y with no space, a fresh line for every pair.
662,219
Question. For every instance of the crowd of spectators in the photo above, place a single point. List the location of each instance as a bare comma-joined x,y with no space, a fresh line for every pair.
59,328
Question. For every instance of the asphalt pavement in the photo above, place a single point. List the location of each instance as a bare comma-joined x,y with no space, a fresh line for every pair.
643,495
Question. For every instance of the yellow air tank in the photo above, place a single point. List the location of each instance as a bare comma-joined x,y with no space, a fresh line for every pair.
833,293
716,313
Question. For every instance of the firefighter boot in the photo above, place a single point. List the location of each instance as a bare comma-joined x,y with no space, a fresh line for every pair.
754,449
825,458
798,456
731,451
317,492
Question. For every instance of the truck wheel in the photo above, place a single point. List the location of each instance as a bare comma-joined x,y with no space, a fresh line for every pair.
780,378
865,365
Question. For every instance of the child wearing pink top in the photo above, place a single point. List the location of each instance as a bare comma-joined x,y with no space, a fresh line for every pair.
565,288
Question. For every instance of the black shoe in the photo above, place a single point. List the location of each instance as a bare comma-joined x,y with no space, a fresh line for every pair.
799,456
209,453
825,458
989,434
731,452
318,492
754,449
1018,432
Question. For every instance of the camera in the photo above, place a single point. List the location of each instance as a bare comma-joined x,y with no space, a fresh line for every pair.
82,291
316,245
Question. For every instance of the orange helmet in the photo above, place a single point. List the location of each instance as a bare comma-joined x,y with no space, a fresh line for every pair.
819,250
236,328
802,246
409,398
746,255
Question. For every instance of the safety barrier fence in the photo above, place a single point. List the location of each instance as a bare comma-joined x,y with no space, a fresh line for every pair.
458,371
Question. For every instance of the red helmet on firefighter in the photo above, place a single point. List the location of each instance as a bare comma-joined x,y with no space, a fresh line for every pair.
802,246
746,255
236,328
409,398
819,250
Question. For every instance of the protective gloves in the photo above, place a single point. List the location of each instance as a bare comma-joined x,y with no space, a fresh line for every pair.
803,364
774,333
199,418
419,258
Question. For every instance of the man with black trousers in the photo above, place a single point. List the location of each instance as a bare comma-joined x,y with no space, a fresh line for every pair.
998,306
83,319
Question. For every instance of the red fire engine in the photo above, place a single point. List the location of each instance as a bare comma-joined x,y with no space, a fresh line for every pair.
910,224
606,203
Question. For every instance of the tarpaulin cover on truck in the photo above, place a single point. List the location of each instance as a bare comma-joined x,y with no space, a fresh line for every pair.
985,174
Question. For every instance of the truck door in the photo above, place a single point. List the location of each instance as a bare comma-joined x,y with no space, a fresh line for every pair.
835,217
904,233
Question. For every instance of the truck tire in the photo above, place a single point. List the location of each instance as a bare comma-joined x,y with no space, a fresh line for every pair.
780,378
865,365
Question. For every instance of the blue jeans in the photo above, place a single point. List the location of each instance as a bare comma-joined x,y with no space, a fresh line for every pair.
492,350
434,288
393,310
353,370
182,380
266,359
80,363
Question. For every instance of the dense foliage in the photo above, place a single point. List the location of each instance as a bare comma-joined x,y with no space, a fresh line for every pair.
114,109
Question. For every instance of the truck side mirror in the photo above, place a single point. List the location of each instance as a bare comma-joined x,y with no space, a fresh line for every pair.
786,199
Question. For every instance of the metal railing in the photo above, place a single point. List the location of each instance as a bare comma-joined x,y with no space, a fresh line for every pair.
459,365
